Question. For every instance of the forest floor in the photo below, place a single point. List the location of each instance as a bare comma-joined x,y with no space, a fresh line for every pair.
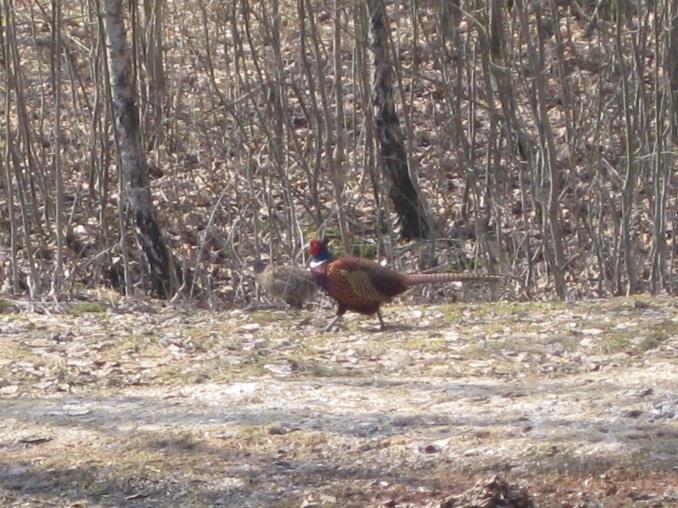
138,404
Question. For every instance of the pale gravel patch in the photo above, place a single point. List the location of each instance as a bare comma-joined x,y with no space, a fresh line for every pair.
283,413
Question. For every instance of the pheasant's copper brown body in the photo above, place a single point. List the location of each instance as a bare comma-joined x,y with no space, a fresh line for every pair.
361,285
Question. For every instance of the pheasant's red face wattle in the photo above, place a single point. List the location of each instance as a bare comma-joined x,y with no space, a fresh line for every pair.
314,247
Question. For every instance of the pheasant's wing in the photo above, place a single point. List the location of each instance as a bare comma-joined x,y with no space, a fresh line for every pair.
361,284
368,279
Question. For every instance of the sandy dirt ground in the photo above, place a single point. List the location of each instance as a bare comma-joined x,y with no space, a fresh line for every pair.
488,405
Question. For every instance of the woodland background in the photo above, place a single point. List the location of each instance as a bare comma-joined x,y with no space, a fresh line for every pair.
541,137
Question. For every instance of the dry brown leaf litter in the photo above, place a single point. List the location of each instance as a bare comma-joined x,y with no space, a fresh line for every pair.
564,405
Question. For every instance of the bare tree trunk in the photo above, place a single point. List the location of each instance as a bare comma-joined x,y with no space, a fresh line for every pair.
630,173
660,168
517,140
282,134
14,284
133,166
7,156
314,116
58,277
339,153
553,236
369,156
155,69
672,68
14,84
671,64
408,203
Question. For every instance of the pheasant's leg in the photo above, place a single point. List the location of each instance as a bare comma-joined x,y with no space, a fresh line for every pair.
340,312
331,323
382,325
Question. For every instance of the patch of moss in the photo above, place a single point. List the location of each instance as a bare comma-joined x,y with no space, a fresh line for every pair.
17,351
78,309
7,306
423,343
615,342
450,312
656,335
638,340
517,308
266,316
138,345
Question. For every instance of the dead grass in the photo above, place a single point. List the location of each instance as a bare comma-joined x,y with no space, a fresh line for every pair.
260,409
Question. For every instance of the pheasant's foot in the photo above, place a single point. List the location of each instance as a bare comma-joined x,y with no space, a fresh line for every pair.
382,325
331,324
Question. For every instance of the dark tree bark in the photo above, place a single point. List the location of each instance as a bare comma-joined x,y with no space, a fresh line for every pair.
155,71
631,170
160,263
408,203
549,164
672,71
672,68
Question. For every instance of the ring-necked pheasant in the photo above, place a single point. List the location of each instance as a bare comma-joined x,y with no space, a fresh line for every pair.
291,284
362,285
